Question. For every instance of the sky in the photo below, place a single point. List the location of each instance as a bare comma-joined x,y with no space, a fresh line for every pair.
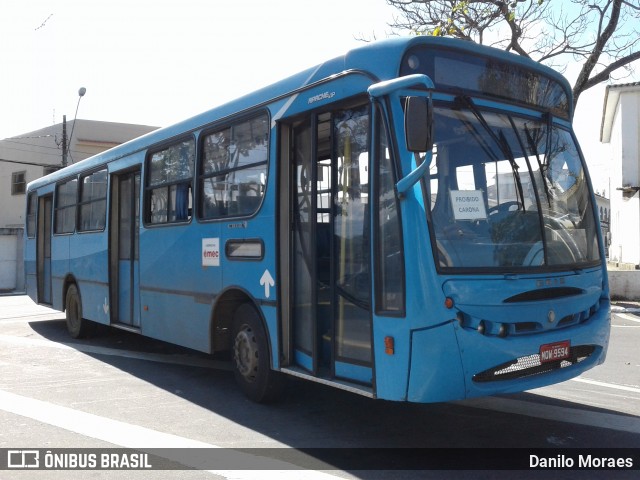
156,62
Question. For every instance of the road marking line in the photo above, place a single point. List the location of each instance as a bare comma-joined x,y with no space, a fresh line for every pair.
551,412
141,438
93,426
629,318
32,317
607,385
619,309
152,357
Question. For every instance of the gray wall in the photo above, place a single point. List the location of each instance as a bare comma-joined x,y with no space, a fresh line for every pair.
11,260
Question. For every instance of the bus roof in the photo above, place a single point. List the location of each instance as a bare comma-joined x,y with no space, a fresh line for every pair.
366,59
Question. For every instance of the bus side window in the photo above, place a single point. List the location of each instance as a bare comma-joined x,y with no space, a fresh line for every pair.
169,187
390,278
93,201
233,169
65,206
32,205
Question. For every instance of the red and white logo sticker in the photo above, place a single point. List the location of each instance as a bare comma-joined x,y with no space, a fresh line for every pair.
210,252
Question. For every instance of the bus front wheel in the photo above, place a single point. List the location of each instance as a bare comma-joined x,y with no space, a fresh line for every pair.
76,325
251,357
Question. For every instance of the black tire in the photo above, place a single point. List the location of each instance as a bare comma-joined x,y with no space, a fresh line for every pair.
76,325
252,367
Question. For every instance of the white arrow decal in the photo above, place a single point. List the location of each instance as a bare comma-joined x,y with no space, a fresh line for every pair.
105,306
268,282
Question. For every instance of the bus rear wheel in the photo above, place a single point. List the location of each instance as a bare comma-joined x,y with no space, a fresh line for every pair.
76,325
252,368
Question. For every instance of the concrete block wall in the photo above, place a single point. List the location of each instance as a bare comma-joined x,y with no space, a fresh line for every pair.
624,285
11,260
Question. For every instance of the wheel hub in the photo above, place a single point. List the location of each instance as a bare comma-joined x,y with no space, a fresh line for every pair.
246,353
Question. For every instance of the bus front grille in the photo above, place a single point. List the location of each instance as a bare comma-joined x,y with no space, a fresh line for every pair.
531,365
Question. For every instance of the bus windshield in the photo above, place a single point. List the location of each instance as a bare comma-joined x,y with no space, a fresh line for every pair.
507,193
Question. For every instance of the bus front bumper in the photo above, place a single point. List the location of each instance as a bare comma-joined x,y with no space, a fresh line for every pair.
450,362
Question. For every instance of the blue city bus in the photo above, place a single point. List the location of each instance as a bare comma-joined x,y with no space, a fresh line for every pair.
412,221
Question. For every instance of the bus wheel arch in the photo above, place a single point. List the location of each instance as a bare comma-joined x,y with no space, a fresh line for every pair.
239,327
251,356
68,281
222,318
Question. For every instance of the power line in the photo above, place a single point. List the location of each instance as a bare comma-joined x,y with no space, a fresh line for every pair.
29,145
81,152
35,164
19,138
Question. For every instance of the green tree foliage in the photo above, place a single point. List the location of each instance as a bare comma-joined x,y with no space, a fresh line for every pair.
602,35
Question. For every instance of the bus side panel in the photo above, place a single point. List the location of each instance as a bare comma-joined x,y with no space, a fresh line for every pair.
257,276
271,318
392,370
89,263
180,319
178,287
421,341
436,369
59,269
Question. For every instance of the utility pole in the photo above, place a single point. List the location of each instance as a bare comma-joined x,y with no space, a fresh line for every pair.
64,141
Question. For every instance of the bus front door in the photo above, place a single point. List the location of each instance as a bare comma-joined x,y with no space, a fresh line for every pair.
124,251
330,245
304,298
45,206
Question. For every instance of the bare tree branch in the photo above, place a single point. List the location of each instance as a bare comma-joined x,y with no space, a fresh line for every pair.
603,38
604,75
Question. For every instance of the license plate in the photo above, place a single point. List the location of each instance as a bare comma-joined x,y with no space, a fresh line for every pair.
552,352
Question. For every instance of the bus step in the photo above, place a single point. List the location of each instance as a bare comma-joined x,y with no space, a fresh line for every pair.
128,328
336,383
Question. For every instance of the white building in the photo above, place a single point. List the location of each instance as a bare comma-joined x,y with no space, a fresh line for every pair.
26,157
621,129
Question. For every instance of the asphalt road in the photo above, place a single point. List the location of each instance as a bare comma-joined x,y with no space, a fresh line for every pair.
119,390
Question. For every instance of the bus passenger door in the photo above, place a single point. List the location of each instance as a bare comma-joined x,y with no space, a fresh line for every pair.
45,207
303,251
124,251
330,281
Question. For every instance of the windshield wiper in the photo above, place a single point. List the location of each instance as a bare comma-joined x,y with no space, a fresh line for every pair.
534,147
500,141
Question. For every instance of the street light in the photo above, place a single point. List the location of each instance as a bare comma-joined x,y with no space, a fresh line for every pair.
67,143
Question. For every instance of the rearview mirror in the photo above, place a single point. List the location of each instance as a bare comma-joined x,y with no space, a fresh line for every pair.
418,124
